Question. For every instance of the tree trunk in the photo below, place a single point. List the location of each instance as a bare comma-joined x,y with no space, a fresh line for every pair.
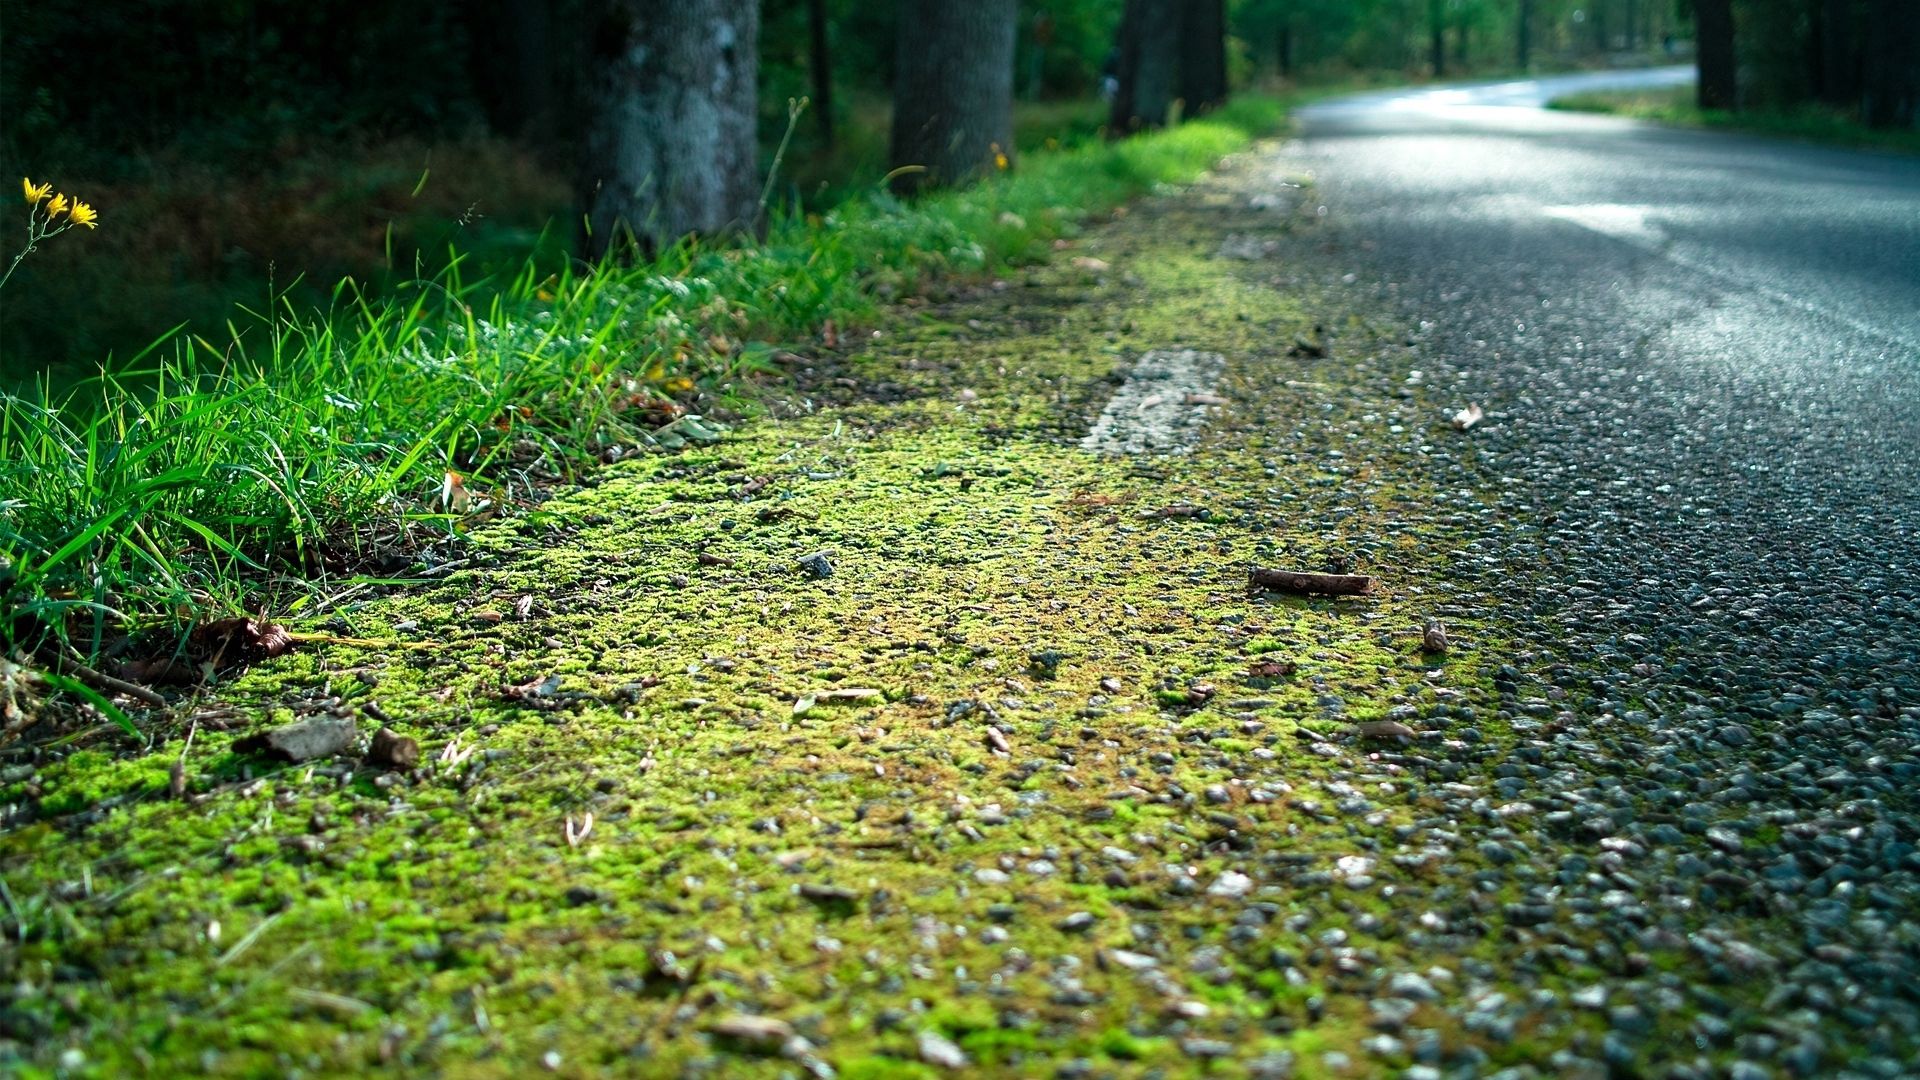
953,90
1523,36
1890,79
1203,55
1285,48
1462,42
1437,36
1632,28
1713,33
670,148
512,66
820,67
1149,57
1837,59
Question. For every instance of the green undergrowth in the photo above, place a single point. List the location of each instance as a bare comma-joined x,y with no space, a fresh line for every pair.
220,475
1811,123
1083,722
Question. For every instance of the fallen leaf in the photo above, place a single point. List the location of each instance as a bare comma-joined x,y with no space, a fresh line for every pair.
523,607
303,740
1468,417
1433,637
533,690
1090,264
1270,669
487,616
997,739
393,750
454,496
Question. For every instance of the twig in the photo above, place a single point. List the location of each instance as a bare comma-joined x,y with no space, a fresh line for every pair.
104,681
1298,581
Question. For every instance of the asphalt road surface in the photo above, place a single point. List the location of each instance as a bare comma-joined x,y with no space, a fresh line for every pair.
1700,358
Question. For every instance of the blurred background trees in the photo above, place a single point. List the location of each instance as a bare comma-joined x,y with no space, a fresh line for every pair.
239,149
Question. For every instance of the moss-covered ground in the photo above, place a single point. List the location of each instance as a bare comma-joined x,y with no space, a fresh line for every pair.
1103,812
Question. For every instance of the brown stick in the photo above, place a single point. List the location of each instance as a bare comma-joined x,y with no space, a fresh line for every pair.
1296,581
102,681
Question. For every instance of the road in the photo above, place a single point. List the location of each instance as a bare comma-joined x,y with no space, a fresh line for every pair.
1700,358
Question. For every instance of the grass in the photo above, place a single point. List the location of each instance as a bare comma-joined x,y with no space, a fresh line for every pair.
1675,105
245,472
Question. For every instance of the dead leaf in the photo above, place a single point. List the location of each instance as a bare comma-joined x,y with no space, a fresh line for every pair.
454,496
1090,264
393,750
1468,417
1433,637
1270,669
997,739
488,616
1205,399
830,334
523,607
533,690
303,740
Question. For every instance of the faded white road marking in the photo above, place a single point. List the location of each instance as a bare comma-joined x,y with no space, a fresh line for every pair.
1628,223
1162,407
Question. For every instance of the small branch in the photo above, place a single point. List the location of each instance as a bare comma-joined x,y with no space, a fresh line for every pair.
104,681
1297,581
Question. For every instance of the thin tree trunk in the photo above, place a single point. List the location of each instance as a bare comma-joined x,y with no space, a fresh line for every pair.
670,148
1713,32
1890,81
1437,37
1285,47
1203,55
1523,36
953,90
1837,60
1149,57
512,66
820,65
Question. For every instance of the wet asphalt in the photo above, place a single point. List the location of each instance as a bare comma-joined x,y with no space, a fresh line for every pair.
1698,488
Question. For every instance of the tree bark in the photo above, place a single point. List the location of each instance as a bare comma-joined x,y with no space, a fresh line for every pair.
670,147
1713,32
1890,79
1437,35
1523,35
1149,59
820,65
512,66
953,90
1203,55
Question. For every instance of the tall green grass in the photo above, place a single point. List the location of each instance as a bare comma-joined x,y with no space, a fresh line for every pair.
217,476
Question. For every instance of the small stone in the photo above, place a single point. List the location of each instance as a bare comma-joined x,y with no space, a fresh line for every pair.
1078,922
763,1032
1231,884
1407,984
987,875
937,1049
816,565
1206,1048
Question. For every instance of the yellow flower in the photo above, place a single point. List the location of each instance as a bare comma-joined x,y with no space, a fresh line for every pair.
999,158
57,207
35,192
83,215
